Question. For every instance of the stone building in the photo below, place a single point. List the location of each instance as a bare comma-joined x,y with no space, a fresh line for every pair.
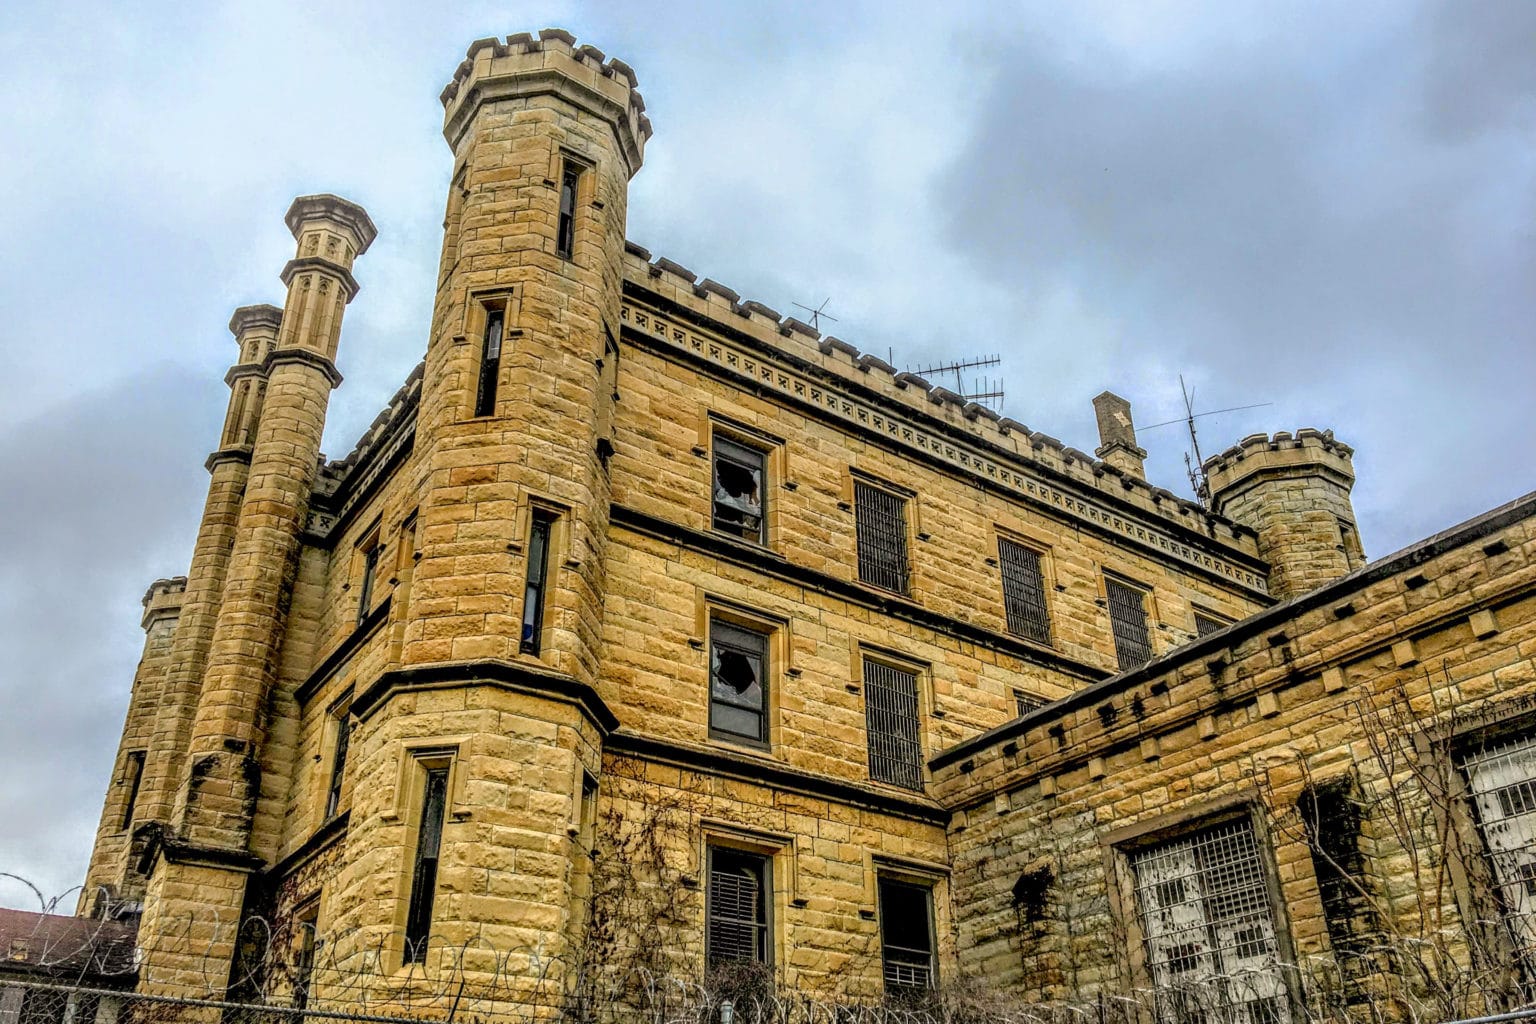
648,625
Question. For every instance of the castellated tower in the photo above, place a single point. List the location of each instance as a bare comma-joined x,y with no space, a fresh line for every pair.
1293,490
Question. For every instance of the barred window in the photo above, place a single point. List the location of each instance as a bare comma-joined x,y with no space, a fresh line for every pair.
1024,591
1206,623
1128,621
1024,702
739,888
1210,930
891,719
1502,781
881,522
738,683
739,506
906,935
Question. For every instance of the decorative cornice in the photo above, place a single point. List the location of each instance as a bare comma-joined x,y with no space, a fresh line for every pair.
242,370
324,266
305,356
248,318
328,207
764,771
538,682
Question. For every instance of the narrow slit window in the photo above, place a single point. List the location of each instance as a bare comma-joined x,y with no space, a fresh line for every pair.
538,579
370,571
906,935
1024,591
740,886
338,764
738,684
891,720
490,362
304,956
1128,622
429,843
565,237
134,772
881,523
739,506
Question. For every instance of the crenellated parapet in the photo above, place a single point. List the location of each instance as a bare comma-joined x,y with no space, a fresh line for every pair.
163,600
1307,451
552,62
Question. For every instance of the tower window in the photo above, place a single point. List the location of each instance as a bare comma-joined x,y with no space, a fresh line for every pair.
371,551
738,683
1024,591
538,578
881,521
1128,622
338,763
739,507
565,234
429,844
740,885
891,719
134,772
906,935
490,362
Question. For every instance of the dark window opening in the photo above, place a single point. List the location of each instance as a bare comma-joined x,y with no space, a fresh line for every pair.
739,506
1128,622
338,765
429,843
1024,703
1205,624
565,235
739,888
738,686
1024,591
881,524
490,362
538,577
304,956
891,718
134,770
365,588
906,935
1032,895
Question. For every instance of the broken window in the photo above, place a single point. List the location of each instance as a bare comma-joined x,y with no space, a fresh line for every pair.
1128,622
1209,927
881,522
738,486
891,719
906,935
1502,780
739,890
738,685
338,763
1024,591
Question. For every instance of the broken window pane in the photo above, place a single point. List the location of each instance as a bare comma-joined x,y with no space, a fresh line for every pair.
737,686
738,498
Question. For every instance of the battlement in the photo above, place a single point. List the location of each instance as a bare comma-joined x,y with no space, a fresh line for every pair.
802,344
163,598
1310,450
551,63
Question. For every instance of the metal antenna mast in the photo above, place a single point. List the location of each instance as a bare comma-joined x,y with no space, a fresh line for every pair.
985,390
818,314
1194,464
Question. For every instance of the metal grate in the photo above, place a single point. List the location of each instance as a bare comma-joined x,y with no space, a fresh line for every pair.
738,909
1024,703
1210,931
882,531
1128,621
1502,780
1205,625
1024,591
890,714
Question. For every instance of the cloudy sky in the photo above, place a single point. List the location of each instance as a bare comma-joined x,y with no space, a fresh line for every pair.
1324,208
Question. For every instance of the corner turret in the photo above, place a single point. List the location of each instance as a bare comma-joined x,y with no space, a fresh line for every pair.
1294,491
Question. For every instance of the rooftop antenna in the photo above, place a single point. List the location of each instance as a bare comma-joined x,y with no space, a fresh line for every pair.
985,390
818,314
1195,465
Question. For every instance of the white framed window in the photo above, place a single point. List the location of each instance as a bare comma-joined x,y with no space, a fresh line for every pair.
1502,782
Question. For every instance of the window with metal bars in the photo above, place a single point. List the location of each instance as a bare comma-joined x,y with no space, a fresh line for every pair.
738,683
906,935
133,769
1024,591
1128,622
429,843
1206,624
1209,927
565,231
338,763
891,719
490,362
1024,703
1501,780
539,532
739,507
740,886
881,525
